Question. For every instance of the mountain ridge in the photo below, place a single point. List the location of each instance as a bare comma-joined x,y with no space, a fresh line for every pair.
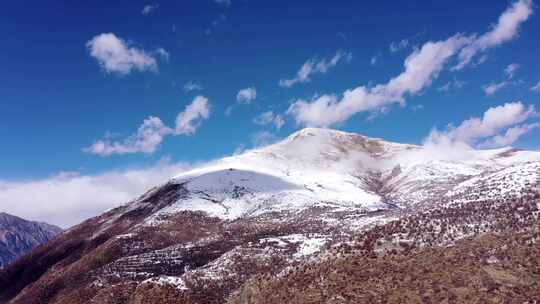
204,234
19,236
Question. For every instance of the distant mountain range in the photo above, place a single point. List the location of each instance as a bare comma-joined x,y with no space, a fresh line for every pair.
19,236
323,216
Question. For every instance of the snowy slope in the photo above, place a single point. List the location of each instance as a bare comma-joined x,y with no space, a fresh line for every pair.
327,168
266,211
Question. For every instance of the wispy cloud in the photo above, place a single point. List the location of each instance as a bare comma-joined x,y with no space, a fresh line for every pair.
192,86
115,55
494,87
422,66
374,59
149,9
315,66
511,70
152,132
163,53
536,87
451,85
191,118
397,46
506,29
269,117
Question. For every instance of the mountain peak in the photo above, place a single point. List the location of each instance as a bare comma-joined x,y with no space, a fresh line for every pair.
322,132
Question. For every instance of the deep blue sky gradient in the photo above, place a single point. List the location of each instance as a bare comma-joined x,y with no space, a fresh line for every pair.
55,99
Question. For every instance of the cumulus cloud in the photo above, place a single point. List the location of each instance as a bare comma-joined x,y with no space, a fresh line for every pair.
506,29
192,86
246,95
314,66
511,70
68,198
115,55
147,139
269,117
152,132
500,125
421,67
536,87
191,118
150,8
510,136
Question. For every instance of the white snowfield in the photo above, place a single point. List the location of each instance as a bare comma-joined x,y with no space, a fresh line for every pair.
322,167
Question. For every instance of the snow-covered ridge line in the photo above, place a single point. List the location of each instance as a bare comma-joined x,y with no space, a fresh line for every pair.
320,168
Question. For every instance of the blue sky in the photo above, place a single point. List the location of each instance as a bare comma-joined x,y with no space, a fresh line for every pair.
60,93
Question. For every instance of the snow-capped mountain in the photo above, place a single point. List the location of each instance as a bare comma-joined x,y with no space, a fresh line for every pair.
204,234
328,168
19,236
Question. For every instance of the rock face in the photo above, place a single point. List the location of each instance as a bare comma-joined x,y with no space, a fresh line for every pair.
222,232
19,236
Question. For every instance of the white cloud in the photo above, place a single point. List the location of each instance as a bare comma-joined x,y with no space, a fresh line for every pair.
374,60
192,86
492,88
421,67
150,8
223,2
68,198
313,66
147,139
246,95
269,117
511,70
163,53
190,119
115,55
498,126
536,87
506,29
264,118
151,133
397,46
279,121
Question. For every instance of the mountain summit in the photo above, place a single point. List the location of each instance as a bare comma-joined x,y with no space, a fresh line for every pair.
211,234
